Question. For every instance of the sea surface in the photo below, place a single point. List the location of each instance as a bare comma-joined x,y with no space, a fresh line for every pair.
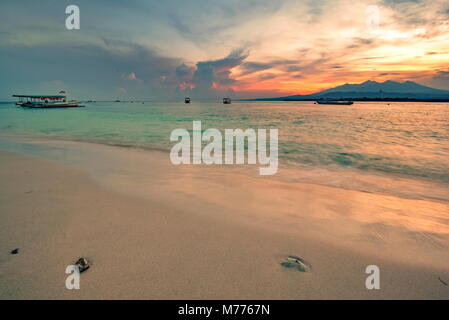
374,146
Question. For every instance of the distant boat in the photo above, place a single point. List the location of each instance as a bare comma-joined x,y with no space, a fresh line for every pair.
117,100
41,101
227,100
187,100
346,103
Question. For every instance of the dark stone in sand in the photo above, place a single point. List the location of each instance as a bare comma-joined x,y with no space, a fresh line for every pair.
83,264
15,251
297,263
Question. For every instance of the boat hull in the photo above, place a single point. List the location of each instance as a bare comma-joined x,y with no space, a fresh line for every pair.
51,105
343,103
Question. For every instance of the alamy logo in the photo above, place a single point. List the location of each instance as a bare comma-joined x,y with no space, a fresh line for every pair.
373,280
212,153
73,280
72,22
372,18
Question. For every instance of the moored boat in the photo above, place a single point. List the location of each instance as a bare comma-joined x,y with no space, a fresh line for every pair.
227,100
46,101
346,103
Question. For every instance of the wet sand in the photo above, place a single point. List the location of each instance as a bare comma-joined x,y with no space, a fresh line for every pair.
157,231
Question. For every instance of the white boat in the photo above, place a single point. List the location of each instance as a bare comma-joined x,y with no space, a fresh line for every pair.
44,101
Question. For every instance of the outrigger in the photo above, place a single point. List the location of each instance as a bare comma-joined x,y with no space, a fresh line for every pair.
41,101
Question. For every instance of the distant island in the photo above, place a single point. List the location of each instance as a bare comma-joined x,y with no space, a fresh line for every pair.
373,91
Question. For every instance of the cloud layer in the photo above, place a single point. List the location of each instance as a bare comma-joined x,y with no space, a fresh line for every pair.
210,49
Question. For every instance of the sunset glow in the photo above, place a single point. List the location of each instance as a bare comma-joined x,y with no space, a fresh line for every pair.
261,49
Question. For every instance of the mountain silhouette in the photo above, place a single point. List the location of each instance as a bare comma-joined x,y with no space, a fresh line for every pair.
373,90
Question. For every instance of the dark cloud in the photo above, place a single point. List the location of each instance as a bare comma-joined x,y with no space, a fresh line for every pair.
359,42
383,74
202,21
89,68
293,68
393,2
184,72
373,58
315,7
252,67
267,76
434,53
443,73
415,14
283,61
440,80
210,75
290,67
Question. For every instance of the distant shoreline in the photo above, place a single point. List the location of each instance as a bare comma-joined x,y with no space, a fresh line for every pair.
356,99
279,100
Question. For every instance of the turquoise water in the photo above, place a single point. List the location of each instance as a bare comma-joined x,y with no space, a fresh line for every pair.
398,139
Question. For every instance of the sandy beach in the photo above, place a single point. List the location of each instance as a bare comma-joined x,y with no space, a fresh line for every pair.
157,231
224,150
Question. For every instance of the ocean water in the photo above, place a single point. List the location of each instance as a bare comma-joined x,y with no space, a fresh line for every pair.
395,140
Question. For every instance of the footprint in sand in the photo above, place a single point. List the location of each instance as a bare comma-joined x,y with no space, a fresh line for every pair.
296,262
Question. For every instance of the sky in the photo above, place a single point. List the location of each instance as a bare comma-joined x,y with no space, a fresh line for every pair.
208,49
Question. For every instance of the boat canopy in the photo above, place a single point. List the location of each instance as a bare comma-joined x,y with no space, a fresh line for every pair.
51,97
